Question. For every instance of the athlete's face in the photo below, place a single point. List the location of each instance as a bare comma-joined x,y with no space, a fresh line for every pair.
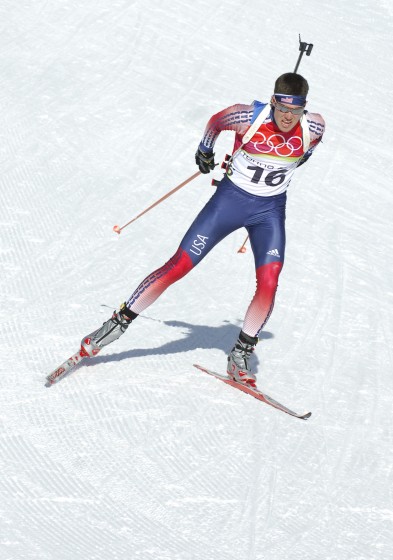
286,116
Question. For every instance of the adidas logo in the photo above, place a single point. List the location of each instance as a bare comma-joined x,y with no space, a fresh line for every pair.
274,253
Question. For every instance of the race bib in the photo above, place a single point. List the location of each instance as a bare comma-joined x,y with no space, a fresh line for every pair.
260,175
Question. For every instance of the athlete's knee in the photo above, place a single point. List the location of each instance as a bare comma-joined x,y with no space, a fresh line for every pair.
267,276
178,265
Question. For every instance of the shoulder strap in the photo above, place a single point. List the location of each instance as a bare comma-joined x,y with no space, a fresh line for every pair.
256,124
252,130
306,133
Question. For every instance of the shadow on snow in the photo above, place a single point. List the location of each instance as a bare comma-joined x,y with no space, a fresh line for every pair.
196,337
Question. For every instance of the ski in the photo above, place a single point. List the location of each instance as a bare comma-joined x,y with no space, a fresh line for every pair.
254,392
65,368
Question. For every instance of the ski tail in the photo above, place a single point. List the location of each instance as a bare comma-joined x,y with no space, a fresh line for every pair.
254,392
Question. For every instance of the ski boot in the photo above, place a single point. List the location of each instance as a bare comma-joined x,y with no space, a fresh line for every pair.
111,330
238,367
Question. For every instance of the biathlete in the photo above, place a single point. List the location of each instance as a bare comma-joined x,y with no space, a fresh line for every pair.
271,141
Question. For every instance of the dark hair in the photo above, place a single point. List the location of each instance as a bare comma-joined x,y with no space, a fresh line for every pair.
291,84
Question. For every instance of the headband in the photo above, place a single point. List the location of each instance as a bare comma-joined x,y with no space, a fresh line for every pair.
290,99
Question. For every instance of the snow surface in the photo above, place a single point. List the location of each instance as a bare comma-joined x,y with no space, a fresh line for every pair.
138,455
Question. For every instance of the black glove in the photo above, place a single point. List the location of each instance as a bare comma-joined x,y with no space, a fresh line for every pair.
204,161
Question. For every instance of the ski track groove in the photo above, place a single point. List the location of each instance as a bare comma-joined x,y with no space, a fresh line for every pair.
80,538
146,464
68,488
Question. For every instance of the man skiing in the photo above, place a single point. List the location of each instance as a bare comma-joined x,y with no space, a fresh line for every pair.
271,141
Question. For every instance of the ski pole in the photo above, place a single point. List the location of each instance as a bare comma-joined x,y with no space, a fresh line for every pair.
243,249
118,229
303,48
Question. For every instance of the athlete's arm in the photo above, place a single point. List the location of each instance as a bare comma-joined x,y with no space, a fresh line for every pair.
316,125
237,117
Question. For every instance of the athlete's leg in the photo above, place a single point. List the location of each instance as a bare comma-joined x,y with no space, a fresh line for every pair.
222,214
158,281
266,229
268,245
262,303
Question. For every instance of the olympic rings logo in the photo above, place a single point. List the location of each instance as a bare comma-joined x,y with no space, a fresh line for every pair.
277,143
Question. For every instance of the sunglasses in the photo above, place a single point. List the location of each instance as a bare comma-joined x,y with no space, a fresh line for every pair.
285,109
